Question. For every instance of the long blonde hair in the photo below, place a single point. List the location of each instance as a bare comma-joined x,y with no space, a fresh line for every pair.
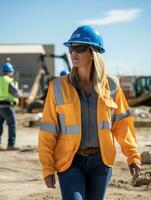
99,74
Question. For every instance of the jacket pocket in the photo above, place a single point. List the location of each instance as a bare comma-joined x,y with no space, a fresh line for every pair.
68,112
107,147
64,153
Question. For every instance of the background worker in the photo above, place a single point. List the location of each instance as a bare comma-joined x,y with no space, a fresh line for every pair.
84,112
63,73
9,94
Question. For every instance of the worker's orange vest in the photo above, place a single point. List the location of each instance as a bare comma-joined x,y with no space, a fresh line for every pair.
60,130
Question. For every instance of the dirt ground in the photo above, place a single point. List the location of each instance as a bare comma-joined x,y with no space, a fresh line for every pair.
21,179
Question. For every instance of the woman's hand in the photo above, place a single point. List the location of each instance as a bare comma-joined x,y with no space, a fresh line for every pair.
135,171
50,181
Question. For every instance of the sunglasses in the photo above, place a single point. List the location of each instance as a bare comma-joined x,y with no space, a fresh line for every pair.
78,48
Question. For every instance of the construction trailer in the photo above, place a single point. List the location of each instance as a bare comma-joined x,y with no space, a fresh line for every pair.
26,60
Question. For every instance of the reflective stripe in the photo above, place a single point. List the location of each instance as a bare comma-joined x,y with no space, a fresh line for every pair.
113,84
104,125
75,129
58,91
49,127
62,122
120,116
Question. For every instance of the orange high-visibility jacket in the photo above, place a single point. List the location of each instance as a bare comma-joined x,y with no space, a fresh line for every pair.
60,129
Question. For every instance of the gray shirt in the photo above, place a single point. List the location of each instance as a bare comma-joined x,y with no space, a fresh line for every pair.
88,117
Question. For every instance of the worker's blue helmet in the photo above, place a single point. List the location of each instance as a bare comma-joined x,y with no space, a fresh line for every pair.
7,67
63,73
87,35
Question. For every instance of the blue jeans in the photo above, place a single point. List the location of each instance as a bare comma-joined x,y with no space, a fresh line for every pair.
86,179
7,113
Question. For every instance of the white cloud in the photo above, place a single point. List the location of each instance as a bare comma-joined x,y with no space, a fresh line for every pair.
115,16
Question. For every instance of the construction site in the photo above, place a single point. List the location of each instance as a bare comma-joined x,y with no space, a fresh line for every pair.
75,100
20,170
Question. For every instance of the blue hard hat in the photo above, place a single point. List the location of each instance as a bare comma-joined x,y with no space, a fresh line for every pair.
7,67
87,35
63,73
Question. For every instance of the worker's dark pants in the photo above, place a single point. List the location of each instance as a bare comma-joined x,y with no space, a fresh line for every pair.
86,179
7,113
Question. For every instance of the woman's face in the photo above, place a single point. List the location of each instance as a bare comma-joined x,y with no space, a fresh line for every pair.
81,55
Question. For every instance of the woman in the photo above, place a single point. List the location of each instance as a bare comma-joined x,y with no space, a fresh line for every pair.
84,112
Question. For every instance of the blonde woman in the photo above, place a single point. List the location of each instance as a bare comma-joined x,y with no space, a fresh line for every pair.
84,112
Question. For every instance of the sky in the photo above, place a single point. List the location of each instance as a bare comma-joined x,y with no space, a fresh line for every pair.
124,25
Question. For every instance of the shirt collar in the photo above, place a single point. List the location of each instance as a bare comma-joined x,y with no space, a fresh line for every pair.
77,85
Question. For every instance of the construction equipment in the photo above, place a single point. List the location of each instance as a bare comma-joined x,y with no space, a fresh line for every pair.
137,90
142,88
41,84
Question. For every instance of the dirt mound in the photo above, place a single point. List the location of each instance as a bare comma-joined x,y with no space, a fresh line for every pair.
144,179
146,157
